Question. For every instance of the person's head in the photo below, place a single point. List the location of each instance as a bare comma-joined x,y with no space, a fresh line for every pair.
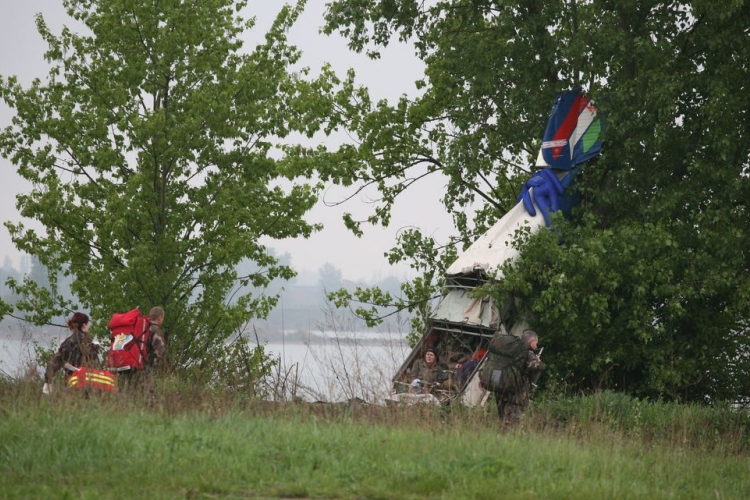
156,315
430,356
530,338
479,354
79,321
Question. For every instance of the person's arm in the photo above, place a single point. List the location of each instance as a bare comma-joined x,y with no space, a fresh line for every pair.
53,366
534,367
159,345
461,361
56,363
414,373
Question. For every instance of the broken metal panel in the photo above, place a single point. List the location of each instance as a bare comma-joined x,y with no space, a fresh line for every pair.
473,394
468,281
459,307
495,247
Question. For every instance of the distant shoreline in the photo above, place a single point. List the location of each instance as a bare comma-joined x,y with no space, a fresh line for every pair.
265,335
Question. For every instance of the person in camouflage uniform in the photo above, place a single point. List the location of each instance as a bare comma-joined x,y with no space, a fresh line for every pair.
426,369
156,360
512,402
158,351
75,351
427,374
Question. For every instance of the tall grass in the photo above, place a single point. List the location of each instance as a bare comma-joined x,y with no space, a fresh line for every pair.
717,429
180,441
175,438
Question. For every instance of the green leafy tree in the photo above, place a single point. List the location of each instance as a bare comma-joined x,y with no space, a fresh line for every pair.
491,76
646,289
155,151
7,297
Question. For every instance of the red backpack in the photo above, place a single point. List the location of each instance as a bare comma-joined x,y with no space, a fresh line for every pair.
129,348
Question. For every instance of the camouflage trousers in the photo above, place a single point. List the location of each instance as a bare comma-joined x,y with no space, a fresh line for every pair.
510,406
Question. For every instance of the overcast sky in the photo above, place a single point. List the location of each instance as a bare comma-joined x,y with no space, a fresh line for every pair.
390,77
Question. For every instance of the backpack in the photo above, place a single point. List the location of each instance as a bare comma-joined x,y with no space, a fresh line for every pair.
502,370
130,341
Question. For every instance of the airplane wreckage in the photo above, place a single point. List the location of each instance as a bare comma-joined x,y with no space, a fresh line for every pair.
460,328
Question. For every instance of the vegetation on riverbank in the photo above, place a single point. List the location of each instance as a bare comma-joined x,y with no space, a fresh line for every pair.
181,441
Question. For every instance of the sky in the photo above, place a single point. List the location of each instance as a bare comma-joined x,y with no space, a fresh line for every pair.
388,78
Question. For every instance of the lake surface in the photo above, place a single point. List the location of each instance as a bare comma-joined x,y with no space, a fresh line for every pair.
330,367
336,370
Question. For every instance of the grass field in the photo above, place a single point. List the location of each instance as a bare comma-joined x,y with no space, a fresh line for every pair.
182,442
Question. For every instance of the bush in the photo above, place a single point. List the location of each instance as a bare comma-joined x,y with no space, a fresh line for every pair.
719,427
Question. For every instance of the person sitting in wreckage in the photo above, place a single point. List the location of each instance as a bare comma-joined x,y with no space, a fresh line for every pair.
427,372
466,366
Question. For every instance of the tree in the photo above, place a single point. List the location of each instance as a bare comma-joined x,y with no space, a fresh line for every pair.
329,277
155,150
478,122
39,274
7,297
646,289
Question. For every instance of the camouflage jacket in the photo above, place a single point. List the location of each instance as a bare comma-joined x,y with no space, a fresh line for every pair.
517,378
421,370
77,349
158,341
534,367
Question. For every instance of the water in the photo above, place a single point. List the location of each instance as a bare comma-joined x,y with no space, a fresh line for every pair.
328,367
340,369
17,356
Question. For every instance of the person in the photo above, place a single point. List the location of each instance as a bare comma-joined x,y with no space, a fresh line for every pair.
427,370
156,357
75,351
512,401
466,368
158,351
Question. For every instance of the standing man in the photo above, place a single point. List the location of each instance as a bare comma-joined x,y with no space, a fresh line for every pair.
158,352
512,366
156,357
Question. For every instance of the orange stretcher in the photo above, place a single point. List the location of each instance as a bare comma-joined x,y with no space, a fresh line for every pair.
85,377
